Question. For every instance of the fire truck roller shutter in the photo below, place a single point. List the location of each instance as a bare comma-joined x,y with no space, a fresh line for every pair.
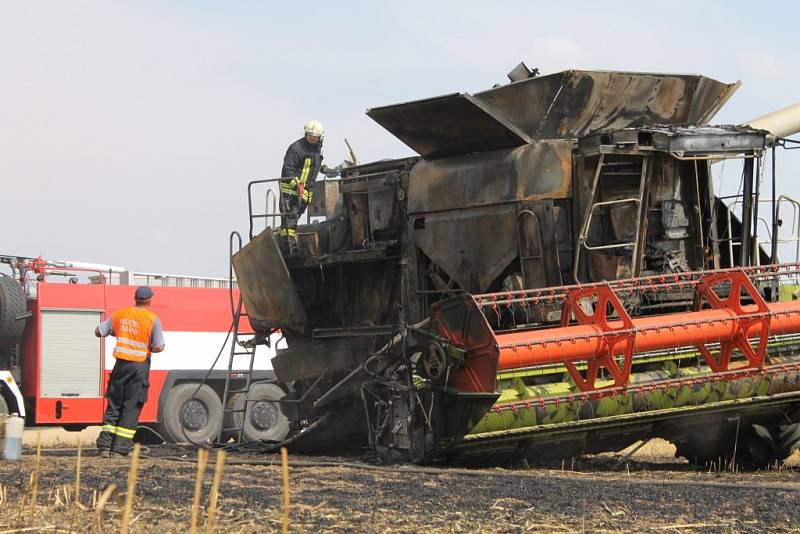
264,417
13,310
191,414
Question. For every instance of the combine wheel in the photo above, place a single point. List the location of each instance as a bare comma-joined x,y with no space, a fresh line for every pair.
765,447
757,446
191,415
265,421
701,451
788,439
13,310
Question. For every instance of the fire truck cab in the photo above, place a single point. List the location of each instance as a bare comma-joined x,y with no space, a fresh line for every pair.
54,371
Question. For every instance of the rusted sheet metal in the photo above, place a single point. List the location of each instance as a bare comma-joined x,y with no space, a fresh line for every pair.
473,247
531,172
575,103
448,125
267,291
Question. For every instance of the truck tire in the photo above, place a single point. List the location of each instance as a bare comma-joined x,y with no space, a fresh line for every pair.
13,309
191,415
265,421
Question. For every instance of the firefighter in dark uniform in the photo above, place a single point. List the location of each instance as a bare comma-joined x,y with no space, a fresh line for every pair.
139,334
301,165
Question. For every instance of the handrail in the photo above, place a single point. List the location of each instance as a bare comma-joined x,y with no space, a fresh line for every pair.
234,240
267,214
251,216
794,233
520,217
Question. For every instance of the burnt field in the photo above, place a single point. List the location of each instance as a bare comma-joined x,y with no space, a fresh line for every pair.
649,493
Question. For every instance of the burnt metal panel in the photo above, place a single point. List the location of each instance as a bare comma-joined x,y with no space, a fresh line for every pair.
575,103
326,199
267,291
473,262
382,201
704,140
531,172
304,359
448,125
377,167
709,140
710,97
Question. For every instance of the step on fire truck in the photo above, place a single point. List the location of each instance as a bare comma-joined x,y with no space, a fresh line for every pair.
54,371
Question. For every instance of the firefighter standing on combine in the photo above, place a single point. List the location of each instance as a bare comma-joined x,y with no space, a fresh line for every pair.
139,333
301,164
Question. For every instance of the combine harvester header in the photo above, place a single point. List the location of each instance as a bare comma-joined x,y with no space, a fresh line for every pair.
733,347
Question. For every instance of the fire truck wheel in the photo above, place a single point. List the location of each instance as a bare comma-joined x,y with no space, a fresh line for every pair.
264,417
13,309
191,415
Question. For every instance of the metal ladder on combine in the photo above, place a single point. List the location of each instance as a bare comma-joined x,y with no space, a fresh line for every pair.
239,347
606,172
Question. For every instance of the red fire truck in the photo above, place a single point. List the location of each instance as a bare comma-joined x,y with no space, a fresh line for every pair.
53,370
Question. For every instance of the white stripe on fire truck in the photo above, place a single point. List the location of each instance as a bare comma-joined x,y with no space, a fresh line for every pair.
197,350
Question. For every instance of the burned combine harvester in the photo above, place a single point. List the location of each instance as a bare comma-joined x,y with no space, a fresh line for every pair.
552,276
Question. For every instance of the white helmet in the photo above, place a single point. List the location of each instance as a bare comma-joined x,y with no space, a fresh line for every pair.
314,128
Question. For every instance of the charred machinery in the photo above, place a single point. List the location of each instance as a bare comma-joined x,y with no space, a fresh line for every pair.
553,274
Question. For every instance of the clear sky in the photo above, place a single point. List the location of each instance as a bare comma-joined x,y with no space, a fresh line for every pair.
129,130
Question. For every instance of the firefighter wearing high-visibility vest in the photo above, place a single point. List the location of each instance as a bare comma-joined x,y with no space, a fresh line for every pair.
301,165
139,334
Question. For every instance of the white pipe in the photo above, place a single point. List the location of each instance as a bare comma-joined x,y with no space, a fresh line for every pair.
88,266
781,123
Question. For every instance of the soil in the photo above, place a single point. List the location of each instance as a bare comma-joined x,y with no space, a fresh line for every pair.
651,492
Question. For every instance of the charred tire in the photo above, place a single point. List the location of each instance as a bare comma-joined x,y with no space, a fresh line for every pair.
771,446
265,421
191,415
13,309
757,447
788,439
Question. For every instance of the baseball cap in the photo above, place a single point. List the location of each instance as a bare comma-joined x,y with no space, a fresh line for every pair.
143,293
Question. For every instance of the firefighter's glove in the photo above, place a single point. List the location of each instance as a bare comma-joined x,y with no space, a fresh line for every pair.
330,172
